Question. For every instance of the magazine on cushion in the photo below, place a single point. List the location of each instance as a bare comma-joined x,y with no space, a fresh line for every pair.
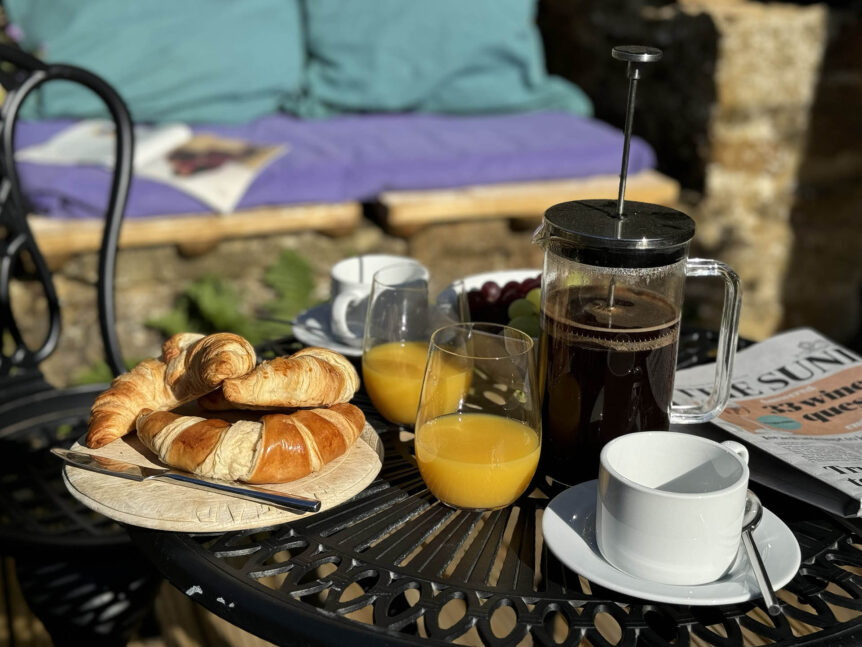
796,400
214,169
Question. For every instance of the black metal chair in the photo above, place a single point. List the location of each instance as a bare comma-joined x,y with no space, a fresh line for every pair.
78,570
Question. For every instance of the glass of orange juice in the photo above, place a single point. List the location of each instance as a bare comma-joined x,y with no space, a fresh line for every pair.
400,319
479,451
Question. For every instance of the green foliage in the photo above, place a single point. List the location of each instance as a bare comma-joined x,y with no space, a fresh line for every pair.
63,431
98,373
293,281
211,304
207,305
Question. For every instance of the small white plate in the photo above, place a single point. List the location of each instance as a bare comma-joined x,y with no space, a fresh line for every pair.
476,281
313,328
569,529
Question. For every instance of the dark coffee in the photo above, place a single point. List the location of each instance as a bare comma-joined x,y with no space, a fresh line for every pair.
608,371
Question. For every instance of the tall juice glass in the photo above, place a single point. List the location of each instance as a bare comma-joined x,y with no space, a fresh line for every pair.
480,450
399,323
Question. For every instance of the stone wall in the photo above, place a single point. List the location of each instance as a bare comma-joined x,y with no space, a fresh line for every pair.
769,62
822,282
756,109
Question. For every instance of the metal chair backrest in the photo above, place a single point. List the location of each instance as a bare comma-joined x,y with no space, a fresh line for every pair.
16,237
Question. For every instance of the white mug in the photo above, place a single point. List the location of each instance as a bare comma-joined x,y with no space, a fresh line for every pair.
670,505
350,286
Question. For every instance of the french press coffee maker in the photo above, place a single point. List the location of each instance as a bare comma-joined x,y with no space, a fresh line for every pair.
612,292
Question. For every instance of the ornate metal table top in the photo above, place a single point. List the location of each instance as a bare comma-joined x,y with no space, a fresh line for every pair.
37,513
394,566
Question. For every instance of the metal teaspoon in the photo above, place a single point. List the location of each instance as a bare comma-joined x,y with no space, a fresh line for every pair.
750,518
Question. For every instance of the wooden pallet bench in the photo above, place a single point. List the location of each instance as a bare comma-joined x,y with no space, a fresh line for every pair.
399,212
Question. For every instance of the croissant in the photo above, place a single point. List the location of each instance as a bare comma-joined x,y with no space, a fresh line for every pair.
276,449
191,366
311,377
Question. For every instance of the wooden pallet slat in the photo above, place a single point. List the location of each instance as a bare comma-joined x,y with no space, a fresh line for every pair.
410,209
57,237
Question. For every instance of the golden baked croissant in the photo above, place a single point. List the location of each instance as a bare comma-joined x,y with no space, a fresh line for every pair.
278,448
191,366
311,377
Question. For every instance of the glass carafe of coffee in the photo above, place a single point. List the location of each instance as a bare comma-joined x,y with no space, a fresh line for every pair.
612,291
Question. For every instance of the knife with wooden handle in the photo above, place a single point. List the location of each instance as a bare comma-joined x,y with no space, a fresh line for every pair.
115,467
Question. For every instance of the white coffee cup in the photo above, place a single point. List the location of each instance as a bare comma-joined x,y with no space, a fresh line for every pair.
350,286
670,505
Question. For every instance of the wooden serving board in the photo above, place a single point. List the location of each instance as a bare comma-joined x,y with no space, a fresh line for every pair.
163,505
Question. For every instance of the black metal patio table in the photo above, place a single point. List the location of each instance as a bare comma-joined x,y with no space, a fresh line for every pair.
393,566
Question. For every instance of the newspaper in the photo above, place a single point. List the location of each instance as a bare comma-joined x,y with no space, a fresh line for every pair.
796,400
214,169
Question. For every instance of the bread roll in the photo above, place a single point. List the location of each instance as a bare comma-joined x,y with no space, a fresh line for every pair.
277,448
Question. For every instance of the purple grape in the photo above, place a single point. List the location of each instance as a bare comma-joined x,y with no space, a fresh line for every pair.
510,292
497,313
491,291
477,304
530,284
479,314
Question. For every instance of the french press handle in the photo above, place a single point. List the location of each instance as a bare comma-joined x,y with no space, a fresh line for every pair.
728,335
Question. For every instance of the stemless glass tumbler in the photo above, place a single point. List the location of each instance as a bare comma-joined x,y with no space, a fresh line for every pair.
478,428
401,317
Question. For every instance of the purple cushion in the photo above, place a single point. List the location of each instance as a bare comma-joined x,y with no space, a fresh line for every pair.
354,158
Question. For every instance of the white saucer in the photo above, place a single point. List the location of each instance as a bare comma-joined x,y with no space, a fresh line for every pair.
568,526
313,328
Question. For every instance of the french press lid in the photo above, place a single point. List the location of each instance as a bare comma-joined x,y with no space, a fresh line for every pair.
617,233
591,232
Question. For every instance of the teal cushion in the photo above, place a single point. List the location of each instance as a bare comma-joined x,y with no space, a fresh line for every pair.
447,56
185,60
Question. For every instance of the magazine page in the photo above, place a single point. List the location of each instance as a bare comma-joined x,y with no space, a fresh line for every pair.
796,397
92,142
216,170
